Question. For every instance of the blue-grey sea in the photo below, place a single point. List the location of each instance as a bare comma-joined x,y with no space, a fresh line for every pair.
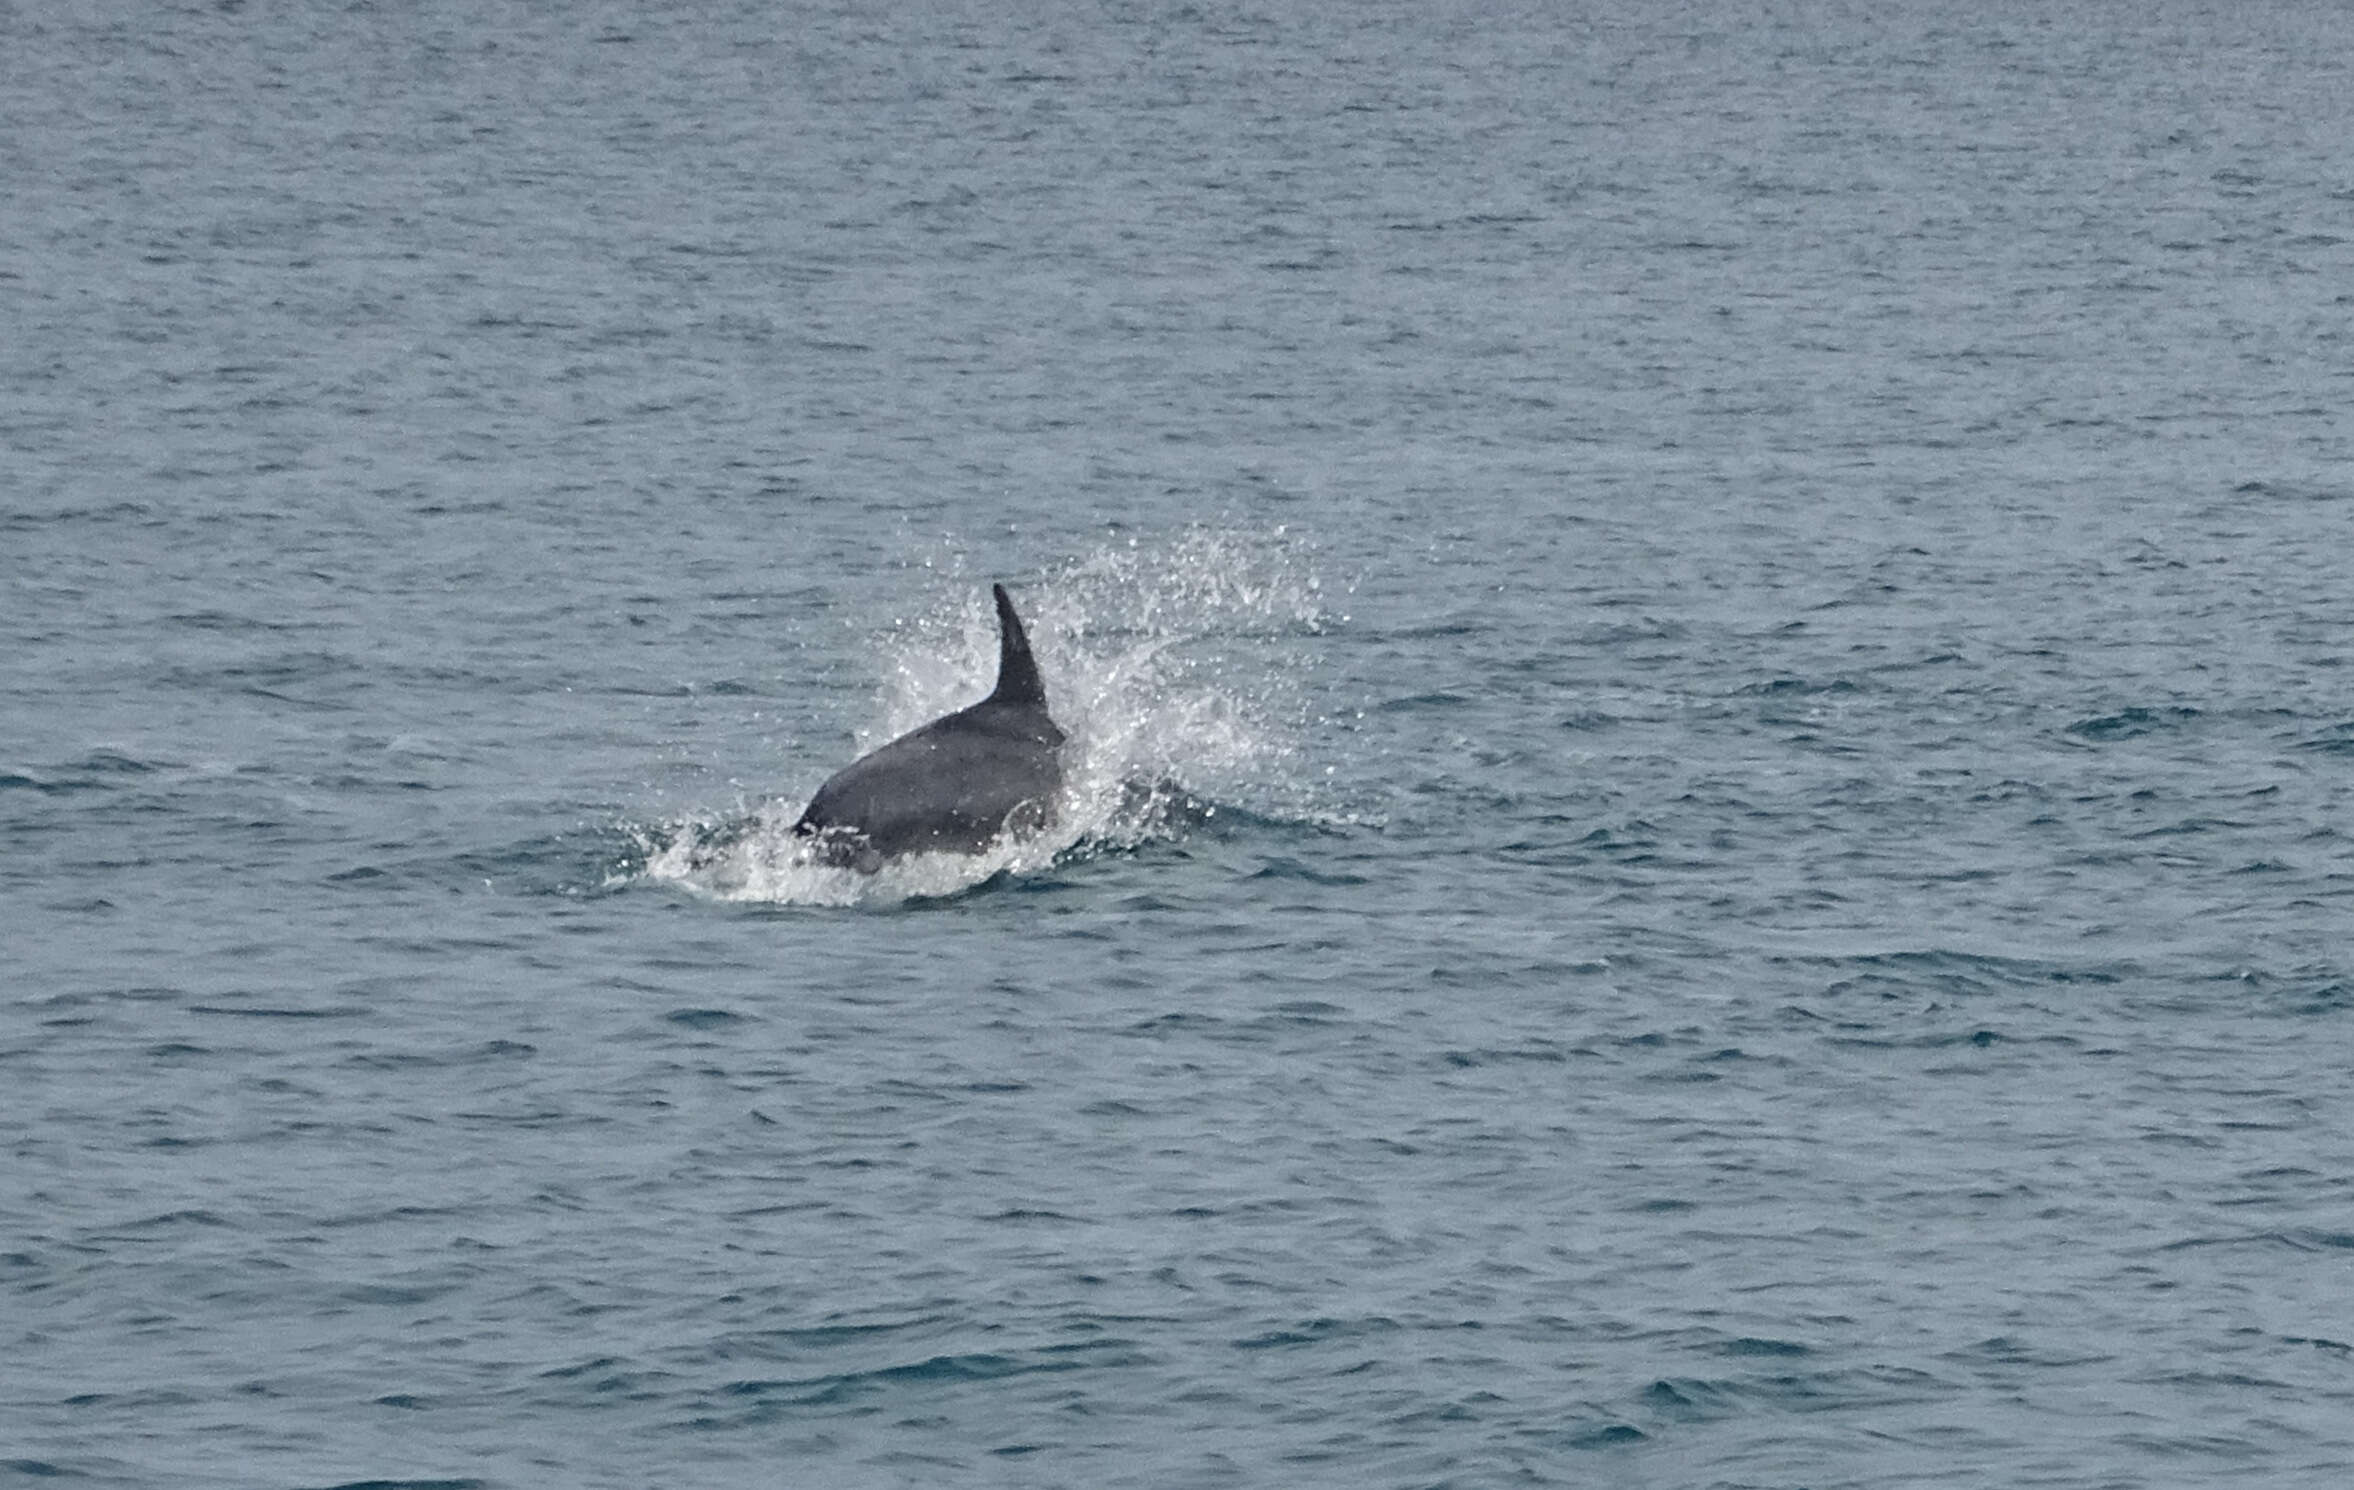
1709,655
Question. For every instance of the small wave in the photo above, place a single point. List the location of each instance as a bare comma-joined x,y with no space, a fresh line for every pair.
760,1399
1786,687
1952,970
584,862
463,1484
2129,723
2338,739
102,769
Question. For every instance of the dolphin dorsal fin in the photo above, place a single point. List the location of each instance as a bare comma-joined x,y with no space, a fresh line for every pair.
1017,671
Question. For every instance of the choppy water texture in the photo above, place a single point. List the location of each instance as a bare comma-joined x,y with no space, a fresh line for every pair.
1741,611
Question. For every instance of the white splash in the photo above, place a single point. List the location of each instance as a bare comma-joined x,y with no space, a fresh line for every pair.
1174,667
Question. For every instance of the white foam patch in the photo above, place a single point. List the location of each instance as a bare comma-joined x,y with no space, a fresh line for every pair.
1176,669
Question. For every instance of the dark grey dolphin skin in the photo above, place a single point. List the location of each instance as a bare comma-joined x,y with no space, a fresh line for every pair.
955,784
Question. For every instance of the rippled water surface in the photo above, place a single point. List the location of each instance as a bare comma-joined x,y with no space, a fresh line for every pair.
1708,660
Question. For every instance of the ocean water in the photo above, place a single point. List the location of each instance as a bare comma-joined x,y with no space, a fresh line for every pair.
1708,656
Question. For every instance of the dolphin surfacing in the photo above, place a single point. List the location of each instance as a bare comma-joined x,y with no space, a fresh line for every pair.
954,785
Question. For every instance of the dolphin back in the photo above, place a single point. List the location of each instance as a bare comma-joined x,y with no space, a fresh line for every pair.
957,783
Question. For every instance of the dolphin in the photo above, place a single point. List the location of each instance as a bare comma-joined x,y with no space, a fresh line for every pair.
957,783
